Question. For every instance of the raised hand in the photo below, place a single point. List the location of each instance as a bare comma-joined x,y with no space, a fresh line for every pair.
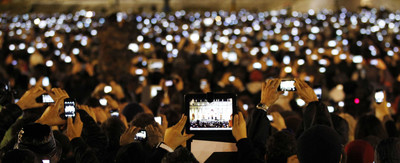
305,91
173,136
28,100
128,136
269,92
239,127
74,129
279,122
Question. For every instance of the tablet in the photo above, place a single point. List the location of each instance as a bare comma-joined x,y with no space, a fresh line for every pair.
210,112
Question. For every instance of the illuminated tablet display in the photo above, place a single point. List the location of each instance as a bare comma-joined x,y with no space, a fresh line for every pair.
214,115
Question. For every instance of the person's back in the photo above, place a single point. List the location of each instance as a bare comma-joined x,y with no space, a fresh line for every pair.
319,144
388,151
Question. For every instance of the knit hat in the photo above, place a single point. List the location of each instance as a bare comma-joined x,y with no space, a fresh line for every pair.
359,151
319,144
39,139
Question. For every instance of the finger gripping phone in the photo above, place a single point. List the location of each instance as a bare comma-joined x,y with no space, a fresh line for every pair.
69,107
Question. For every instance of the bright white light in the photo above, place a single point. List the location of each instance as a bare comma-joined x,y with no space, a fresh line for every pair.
332,43
257,65
133,47
46,81
254,51
341,104
232,56
32,81
342,56
331,109
75,51
11,47
208,21
31,50
286,60
264,50
288,69
315,30
67,59
194,37
322,69
300,102
21,46
245,107
107,89
300,62
146,45
49,63
335,52
314,57
388,104
140,38
103,102
274,48
357,59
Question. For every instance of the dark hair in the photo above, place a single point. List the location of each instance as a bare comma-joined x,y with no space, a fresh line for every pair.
342,127
280,146
369,125
113,127
143,119
132,153
173,116
388,151
20,156
180,154
320,143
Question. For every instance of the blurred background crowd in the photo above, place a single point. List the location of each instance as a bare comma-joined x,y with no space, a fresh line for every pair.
148,61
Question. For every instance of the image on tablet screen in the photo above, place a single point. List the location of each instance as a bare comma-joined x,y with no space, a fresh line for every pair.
214,115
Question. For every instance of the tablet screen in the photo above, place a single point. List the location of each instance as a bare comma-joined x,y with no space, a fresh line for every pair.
215,115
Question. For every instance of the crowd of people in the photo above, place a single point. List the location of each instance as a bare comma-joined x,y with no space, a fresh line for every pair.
141,66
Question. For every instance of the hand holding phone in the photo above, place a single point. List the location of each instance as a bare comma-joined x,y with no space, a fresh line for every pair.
305,91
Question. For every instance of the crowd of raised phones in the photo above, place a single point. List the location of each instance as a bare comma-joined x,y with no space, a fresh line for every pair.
123,69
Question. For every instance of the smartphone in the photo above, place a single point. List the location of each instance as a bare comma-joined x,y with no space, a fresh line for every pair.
45,81
169,83
245,107
379,96
318,92
114,113
103,102
45,161
270,118
32,81
287,85
139,71
231,78
257,65
373,62
158,119
69,107
154,90
357,59
46,98
107,89
331,109
141,135
203,83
